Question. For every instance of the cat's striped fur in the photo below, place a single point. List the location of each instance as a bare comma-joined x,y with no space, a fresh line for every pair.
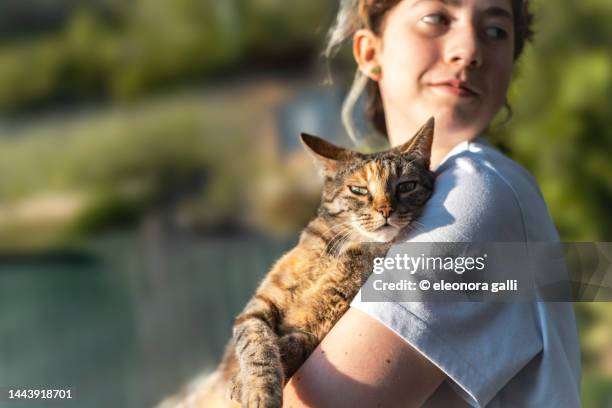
366,198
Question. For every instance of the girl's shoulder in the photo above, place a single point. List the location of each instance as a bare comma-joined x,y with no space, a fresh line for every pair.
477,164
481,194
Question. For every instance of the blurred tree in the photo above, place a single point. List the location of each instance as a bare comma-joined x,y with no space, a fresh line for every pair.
562,128
127,49
19,18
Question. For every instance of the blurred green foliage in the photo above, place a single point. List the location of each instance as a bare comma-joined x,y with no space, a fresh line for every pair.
562,127
136,47
134,159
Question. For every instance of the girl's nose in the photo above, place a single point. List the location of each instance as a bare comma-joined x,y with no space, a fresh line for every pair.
463,48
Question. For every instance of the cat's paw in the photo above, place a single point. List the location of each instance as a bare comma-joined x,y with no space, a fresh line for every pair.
258,398
255,393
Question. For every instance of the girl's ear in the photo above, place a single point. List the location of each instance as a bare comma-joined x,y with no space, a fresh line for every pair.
366,48
325,152
420,144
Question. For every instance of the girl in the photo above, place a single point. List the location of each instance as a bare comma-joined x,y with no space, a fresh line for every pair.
451,59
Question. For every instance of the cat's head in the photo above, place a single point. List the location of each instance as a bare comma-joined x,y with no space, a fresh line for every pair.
378,194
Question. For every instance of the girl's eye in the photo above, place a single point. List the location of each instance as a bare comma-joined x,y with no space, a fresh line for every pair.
358,190
496,33
436,19
406,187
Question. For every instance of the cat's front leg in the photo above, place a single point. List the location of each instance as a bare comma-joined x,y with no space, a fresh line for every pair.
260,380
295,348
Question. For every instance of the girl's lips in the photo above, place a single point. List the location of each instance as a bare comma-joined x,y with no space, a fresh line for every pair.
455,87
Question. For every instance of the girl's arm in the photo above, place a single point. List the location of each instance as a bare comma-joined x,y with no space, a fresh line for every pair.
362,363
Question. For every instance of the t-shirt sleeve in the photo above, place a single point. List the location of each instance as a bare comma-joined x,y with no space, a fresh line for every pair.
480,346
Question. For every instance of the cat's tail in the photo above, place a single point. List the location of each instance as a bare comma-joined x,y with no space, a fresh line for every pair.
206,391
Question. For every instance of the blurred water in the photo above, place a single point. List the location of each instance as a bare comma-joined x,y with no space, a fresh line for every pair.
124,320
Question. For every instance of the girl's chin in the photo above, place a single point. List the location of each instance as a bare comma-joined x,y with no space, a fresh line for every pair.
458,118
454,131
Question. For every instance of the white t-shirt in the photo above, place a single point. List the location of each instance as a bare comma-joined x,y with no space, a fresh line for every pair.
494,354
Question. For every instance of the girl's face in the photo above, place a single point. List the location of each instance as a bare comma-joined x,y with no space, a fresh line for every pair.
451,59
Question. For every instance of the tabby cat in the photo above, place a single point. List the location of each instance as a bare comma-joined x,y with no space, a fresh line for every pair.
366,198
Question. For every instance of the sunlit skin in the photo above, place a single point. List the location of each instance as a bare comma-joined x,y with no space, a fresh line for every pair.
451,59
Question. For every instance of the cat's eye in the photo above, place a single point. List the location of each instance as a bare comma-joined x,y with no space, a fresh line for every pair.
406,186
358,190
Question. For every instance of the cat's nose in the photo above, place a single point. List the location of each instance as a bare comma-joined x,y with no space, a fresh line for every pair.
385,210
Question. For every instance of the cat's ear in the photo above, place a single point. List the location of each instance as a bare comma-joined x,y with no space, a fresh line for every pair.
325,152
420,144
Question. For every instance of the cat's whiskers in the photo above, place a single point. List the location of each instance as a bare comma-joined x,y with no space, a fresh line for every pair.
337,238
348,241
334,243
341,243
338,225
412,225
343,228
415,223
374,225
345,224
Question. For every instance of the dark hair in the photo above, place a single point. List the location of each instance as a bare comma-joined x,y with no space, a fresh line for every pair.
370,14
